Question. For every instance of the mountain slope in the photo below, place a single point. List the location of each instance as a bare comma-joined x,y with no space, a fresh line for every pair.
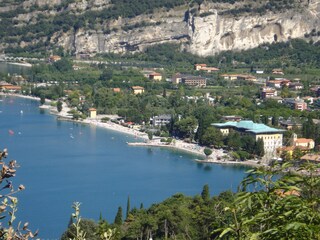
201,27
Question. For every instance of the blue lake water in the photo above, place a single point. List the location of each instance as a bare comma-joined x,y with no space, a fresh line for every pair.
13,68
62,162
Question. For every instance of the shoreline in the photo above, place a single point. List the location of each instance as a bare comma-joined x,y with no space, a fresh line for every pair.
248,163
21,96
29,65
154,143
177,145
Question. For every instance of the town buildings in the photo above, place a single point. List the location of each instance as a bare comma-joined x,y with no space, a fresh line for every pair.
195,81
4,86
290,124
176,78
232,118
204,67
155,76
190,80
233,77
92,113
274,83
296,86
272,137
151,74
296,103
54,58
161,120
277,71
268,92
137,90
302,143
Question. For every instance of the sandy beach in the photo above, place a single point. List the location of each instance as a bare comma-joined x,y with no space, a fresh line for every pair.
21,96
24,64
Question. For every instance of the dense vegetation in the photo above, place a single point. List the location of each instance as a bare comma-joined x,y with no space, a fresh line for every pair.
271,5
294,53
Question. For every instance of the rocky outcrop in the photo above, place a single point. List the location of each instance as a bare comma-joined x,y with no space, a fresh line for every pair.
214,33
202,35
159,28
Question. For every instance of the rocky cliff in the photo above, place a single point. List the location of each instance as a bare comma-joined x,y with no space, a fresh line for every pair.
214,33
204,29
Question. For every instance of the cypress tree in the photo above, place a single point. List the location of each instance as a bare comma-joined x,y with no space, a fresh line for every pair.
118,218
205,194
128,207
275,120
164,93
259,149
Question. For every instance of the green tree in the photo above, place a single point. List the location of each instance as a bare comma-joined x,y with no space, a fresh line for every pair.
164,93
63,65
234,140
59,106
275,120
118,219
297,154
211,136
308,128
205,194
150,135
185,127
207,151
106,75
274,210
248,143
259,148
42,100
128,207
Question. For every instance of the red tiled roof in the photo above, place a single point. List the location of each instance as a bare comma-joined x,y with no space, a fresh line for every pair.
137,88
303,140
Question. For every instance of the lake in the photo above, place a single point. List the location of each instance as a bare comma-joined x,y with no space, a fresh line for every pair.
63,162
14,68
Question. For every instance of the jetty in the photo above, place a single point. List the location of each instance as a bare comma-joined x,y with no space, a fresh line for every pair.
189,148
249,163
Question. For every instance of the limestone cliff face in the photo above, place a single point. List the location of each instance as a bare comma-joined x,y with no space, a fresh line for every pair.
214,33
203,30
206,35
159,28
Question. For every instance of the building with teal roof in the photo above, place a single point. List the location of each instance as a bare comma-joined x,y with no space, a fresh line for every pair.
272,137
